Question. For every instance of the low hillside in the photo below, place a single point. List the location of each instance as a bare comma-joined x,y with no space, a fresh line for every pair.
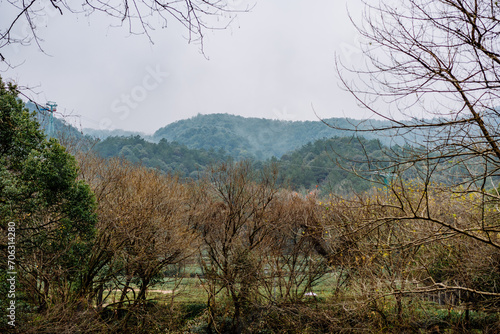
327,164
315,165
258,138
167,157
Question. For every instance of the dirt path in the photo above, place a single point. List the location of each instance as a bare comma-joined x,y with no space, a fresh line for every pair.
161,291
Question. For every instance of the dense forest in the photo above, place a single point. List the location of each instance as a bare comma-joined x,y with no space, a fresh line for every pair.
313,166
305,162
254,138
167,157
304,167
333,164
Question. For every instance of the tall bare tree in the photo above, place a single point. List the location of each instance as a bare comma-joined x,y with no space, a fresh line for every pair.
142,232
235,230
431,70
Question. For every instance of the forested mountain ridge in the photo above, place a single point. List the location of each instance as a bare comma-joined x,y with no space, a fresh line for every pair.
305,152
327,164
322,165
258,138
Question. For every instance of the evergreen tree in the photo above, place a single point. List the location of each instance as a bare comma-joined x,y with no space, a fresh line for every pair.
48,211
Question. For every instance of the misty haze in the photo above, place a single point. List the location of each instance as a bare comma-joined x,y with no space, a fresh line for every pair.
242,166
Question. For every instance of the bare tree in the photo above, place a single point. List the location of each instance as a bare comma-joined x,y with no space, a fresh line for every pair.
431,71
436,62
236,230
142,232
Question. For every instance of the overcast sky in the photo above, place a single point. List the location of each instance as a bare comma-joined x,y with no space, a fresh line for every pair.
277,61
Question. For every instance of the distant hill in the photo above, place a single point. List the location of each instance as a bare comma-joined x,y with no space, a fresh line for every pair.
306,152
310,154
312,166
327,164
258,138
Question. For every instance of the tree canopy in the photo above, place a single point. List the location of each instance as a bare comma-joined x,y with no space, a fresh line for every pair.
40,193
